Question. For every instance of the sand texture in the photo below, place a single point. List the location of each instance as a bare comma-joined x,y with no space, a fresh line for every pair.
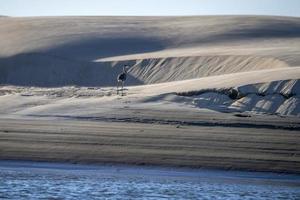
152,144
201,91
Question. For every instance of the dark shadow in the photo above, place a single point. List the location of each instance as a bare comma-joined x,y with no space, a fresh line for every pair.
261,29
90,49
73,63
41,70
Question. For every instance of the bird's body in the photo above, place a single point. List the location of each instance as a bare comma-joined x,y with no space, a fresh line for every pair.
121,79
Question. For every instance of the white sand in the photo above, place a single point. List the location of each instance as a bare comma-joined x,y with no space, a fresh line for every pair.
256,55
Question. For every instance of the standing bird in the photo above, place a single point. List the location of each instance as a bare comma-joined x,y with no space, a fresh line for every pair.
122,78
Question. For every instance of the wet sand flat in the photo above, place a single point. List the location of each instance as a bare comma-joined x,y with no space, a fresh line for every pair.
82,141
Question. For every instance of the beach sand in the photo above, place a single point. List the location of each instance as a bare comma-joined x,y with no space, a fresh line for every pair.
96,142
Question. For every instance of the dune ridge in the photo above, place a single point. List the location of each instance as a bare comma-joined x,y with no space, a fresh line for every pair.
56,71
86,51
165,54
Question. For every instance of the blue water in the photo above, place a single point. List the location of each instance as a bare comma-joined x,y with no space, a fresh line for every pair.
32,180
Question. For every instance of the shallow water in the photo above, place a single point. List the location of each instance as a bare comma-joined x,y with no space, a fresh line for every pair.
32,180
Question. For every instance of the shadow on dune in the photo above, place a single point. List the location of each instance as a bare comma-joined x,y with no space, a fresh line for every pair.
263,29
90,48
49,71
72,63
274,29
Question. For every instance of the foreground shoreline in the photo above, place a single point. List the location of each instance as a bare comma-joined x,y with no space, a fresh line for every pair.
45,180
134,170
168,145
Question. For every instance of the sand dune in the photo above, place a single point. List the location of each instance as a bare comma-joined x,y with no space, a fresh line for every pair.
201,91
101,37
273,91
90,51
48,71
256,55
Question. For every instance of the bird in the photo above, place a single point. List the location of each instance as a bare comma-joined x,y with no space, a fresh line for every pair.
122,78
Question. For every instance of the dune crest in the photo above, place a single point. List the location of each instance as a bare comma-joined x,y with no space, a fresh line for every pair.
166,55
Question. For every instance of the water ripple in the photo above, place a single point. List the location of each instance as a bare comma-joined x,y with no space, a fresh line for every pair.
110,182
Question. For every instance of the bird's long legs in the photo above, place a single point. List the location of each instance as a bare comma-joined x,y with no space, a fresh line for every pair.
122,87
118,87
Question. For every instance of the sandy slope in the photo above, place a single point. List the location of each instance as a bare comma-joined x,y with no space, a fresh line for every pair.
89,51
277,94
231,77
